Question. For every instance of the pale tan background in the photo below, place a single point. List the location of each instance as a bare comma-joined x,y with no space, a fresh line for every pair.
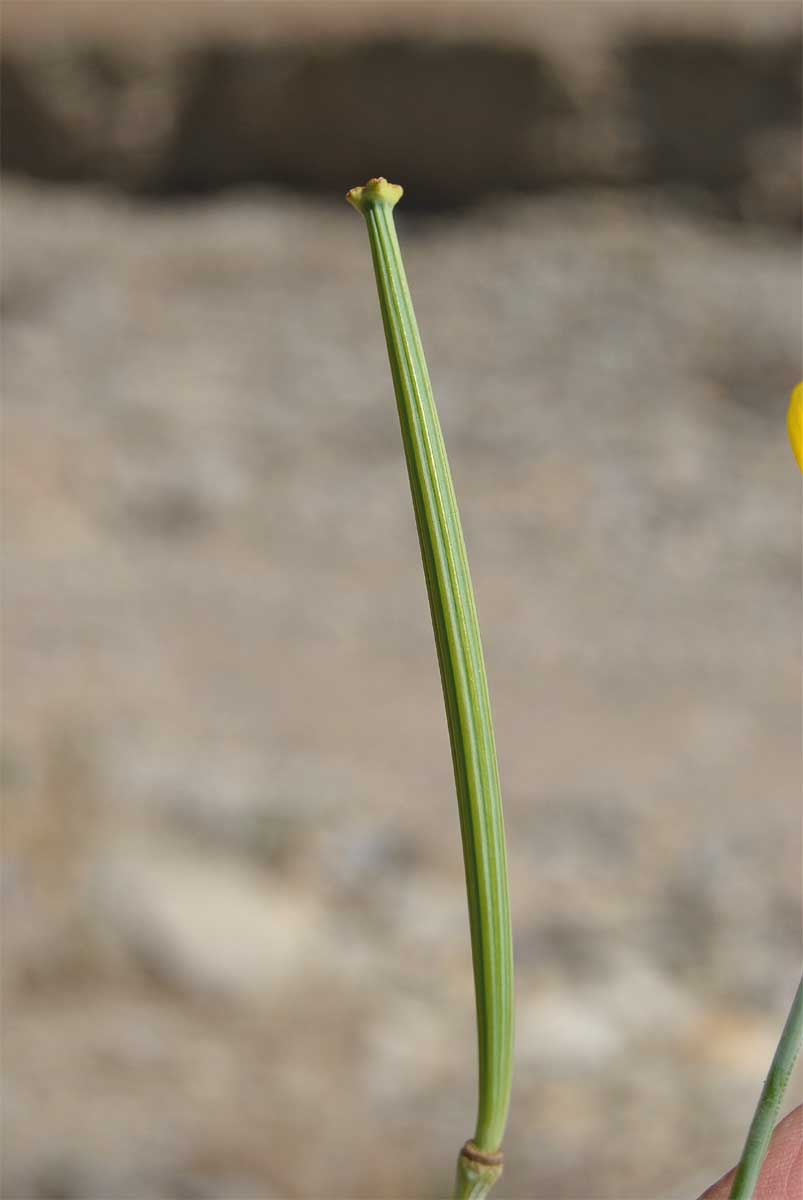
235,951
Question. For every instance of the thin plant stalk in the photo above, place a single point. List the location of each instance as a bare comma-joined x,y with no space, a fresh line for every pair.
763,1123
760,1132
465,691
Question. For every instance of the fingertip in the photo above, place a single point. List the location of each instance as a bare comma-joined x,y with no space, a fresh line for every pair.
794,1182
782,1173
786,1165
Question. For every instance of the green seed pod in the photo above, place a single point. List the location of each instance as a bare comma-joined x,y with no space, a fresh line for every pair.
465,689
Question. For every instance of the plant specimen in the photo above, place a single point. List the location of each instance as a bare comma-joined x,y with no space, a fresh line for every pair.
766,1114
763,1123
468,711
465,691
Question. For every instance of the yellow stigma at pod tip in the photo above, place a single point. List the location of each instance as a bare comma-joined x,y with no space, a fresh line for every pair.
794,423
375,191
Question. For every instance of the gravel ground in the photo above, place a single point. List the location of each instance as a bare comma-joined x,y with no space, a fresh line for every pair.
236,957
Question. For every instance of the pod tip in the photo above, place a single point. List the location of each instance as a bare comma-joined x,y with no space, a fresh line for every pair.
374,192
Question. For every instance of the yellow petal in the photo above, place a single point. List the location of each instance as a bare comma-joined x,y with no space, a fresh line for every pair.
794,423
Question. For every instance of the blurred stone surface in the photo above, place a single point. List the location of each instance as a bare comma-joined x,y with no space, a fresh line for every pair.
472,100
235,940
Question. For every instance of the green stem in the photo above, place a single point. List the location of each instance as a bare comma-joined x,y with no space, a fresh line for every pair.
465,688
763,1123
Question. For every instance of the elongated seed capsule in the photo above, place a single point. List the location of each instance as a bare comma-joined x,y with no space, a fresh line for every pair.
465,688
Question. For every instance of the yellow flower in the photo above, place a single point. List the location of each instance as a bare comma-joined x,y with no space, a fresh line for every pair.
794,423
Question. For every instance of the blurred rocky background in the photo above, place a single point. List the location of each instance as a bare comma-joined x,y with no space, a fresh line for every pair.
235,947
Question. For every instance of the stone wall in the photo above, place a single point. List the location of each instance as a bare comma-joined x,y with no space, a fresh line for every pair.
456,110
